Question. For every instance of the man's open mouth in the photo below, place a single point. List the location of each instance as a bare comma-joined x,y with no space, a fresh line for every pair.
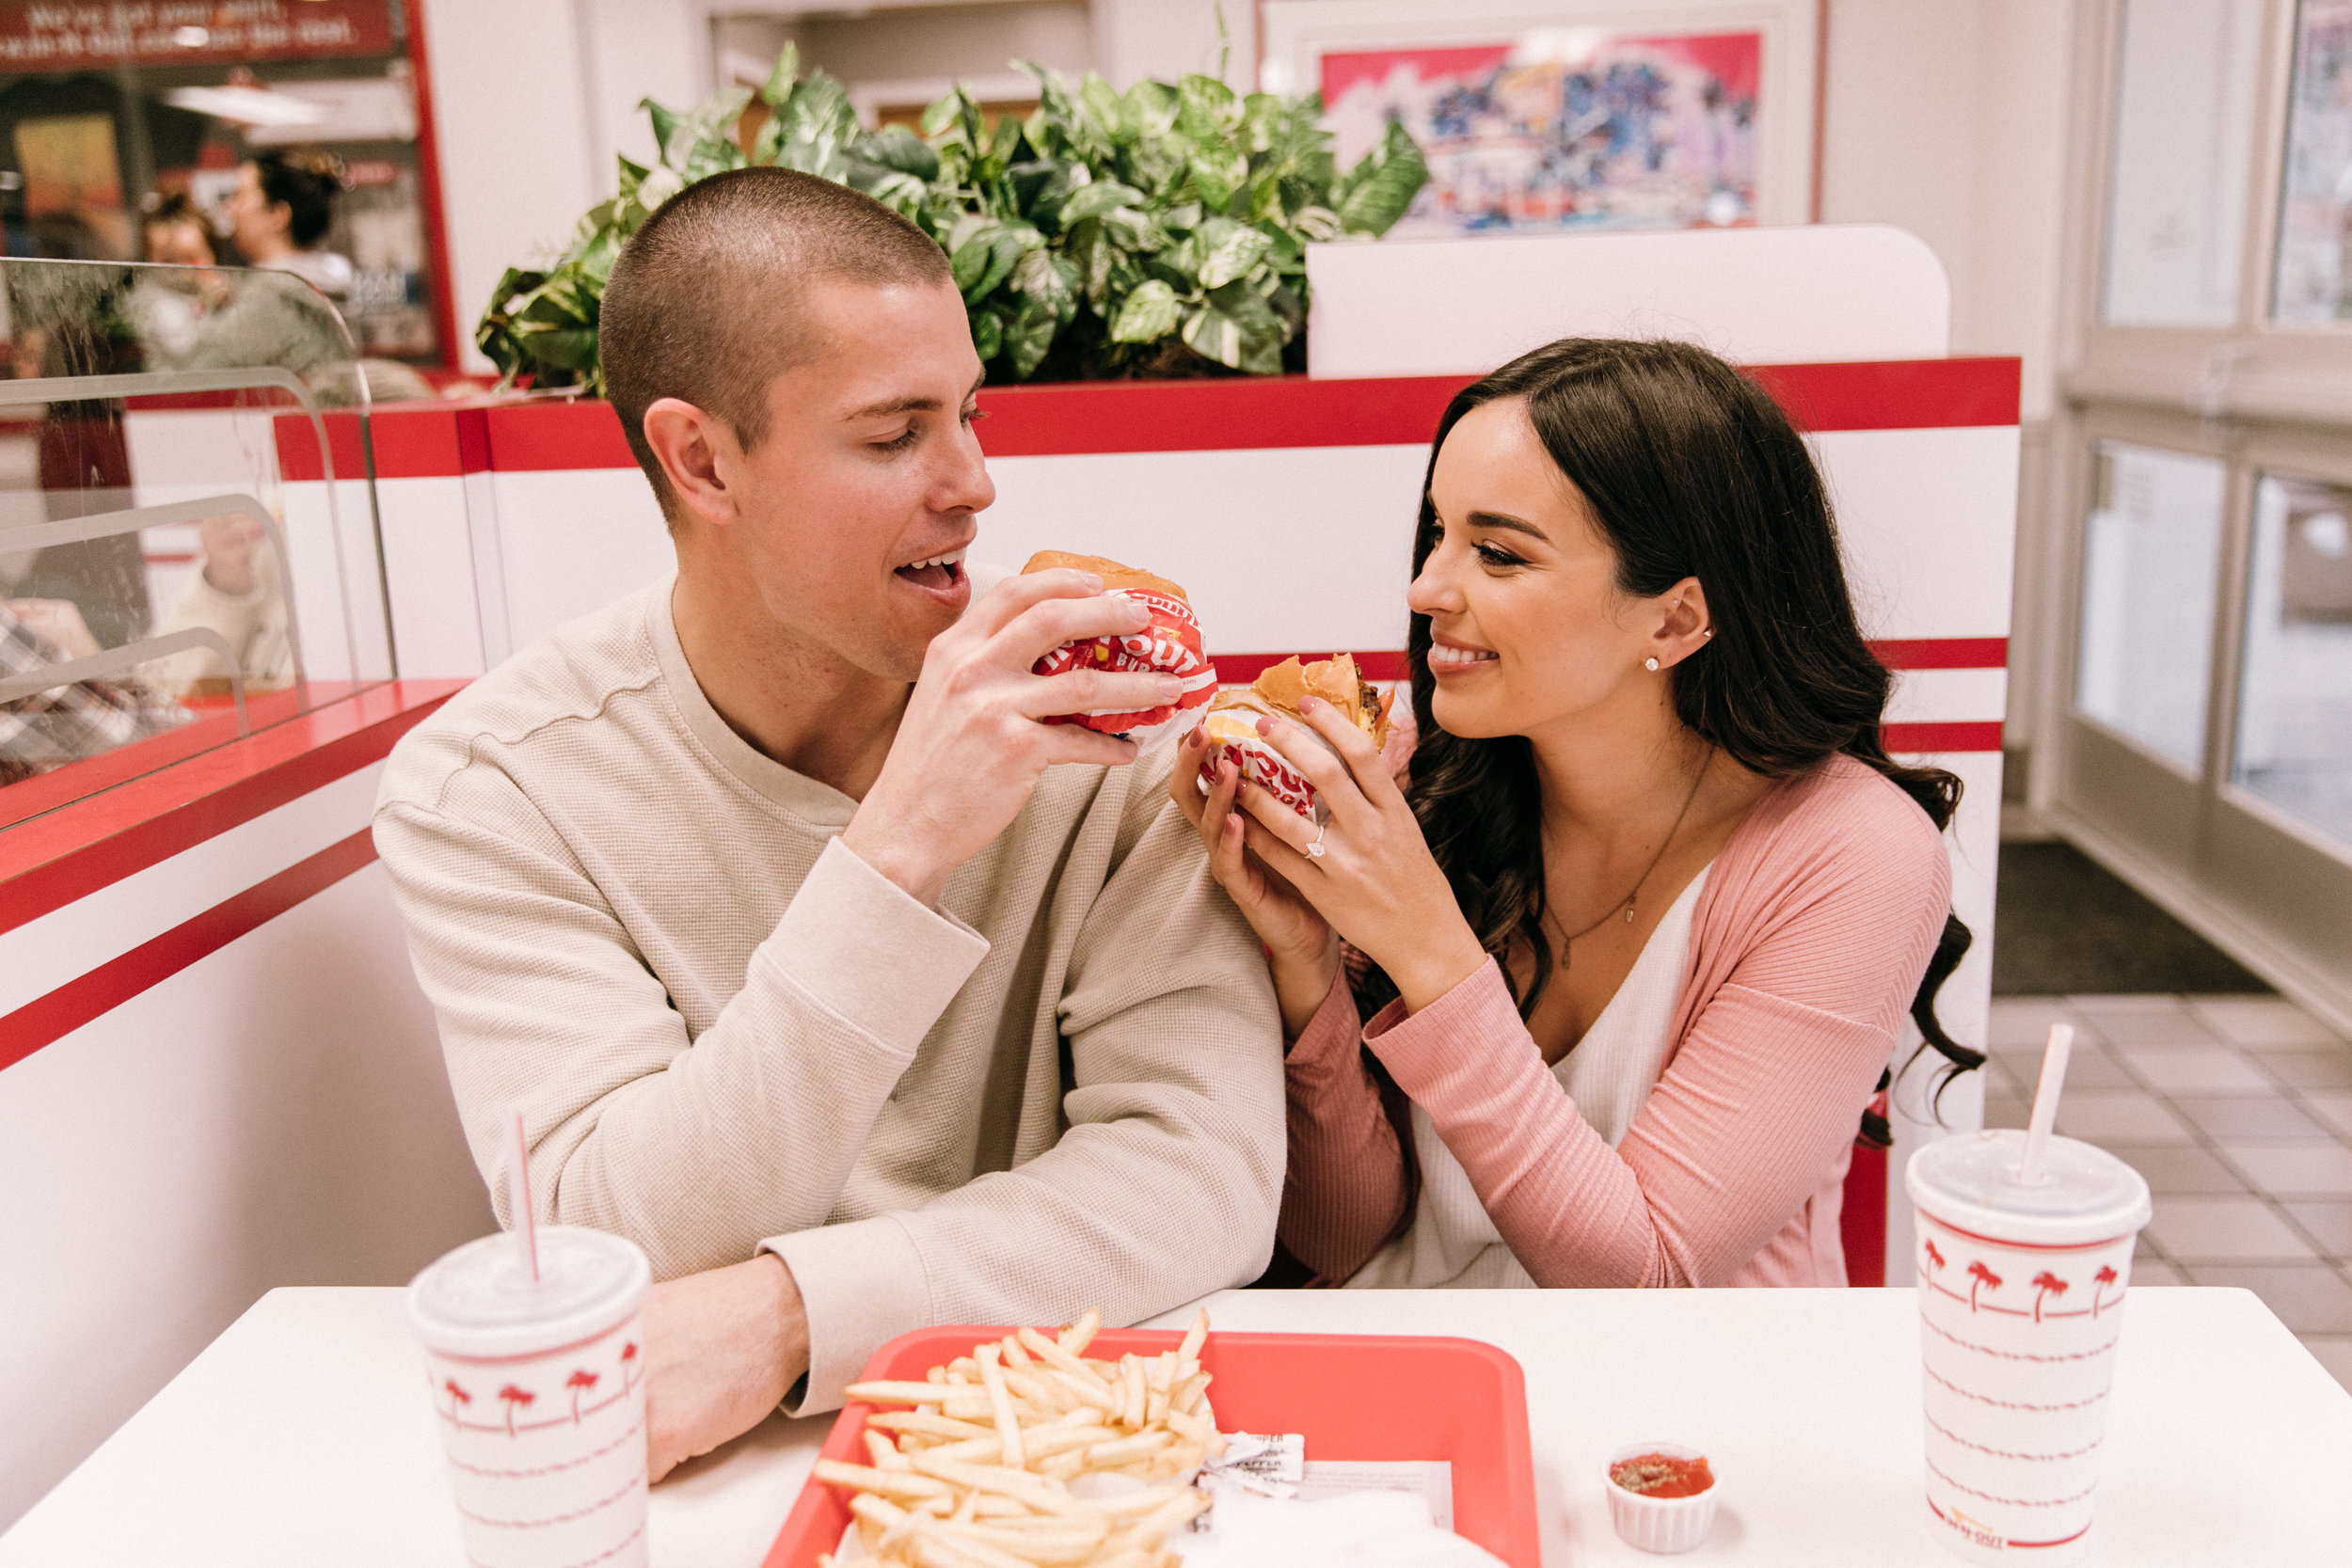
939,574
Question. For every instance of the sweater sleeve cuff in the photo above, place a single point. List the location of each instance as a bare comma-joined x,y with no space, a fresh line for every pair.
1332,1033
864,948
1417,1048
862,1285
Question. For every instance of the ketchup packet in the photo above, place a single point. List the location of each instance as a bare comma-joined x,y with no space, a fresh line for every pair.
1170,644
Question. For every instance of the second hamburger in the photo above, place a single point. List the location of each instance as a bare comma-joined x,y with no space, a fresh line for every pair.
1232,725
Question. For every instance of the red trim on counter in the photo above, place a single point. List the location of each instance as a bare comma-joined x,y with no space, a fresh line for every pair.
74,851
50,1017
1222,415
1949,735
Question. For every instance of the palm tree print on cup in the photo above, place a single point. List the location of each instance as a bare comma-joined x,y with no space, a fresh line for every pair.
2045,1284
1935,1259
2099,1282
1983,1278
628,1365
515,1398
457,1396
579,1383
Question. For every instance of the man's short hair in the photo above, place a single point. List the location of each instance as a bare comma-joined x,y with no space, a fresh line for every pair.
704,302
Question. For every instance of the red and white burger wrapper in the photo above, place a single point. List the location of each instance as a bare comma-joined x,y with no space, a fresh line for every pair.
1234,737
1171,644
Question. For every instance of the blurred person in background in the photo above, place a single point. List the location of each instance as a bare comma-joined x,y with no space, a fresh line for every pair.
47,729
166,310
238,592
283,206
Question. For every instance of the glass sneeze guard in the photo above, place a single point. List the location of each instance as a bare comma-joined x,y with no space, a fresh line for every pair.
162,591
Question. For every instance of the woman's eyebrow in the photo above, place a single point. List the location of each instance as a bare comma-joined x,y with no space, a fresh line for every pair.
1501,520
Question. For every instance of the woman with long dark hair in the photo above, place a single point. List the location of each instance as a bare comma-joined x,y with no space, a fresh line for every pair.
1627,954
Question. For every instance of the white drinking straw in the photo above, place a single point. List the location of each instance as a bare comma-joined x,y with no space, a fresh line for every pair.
518,1192
2045,1101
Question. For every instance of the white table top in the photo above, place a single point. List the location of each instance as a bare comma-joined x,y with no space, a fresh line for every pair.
302,1435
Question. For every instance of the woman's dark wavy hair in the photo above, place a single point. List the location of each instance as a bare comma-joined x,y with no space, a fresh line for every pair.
1692,471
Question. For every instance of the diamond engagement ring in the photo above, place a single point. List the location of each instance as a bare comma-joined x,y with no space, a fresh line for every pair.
1315,849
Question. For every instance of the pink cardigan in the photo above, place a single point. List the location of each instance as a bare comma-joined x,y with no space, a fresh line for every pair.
1810,939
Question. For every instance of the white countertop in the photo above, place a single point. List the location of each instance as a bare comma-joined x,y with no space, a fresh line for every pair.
303,1435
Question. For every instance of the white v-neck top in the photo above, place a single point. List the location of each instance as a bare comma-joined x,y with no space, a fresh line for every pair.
1609,1076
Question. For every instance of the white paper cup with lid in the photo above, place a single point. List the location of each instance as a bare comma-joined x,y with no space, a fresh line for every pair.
540,1390
2021,1298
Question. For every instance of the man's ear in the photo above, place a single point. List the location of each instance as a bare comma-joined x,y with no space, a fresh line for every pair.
698,453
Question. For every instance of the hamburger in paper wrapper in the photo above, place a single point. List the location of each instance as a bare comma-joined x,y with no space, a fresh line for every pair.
1171,644
1232,725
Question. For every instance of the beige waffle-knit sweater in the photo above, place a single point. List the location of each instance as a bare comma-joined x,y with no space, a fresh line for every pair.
1062,1090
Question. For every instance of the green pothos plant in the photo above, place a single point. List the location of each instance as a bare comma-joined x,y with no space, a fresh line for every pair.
1157,231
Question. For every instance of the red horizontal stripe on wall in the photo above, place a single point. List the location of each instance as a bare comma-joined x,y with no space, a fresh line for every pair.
50,1017
420,441
1944,653
1241,669
299,446
527,437
1894,394
1956,735
1225,414
1929,653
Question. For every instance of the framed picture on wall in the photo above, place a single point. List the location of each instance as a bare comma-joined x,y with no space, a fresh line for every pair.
1543,115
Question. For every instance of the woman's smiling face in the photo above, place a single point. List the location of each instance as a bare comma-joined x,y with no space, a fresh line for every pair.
1527,623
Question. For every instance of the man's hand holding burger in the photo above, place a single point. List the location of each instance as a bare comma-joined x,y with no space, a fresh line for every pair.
970,745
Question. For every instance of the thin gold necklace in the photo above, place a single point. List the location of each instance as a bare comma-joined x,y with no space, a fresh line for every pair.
1566,940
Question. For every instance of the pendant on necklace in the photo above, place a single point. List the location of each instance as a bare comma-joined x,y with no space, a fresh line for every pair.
1628,911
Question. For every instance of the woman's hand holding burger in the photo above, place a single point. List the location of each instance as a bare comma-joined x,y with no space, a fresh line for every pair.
1304,950
970,747
1375,881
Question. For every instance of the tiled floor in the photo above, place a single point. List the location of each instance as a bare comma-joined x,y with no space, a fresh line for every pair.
2238,1111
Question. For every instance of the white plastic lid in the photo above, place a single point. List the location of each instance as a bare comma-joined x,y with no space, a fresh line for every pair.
480,1300
2083,1193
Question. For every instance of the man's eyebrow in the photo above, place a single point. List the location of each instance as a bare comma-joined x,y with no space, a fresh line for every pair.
1514,524
909,406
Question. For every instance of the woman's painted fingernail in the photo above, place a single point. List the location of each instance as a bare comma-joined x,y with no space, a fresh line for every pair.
1306,704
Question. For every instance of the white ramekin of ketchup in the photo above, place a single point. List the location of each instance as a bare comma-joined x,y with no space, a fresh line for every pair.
1662,1495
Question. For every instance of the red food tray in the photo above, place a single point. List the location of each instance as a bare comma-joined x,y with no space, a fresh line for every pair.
1353,1396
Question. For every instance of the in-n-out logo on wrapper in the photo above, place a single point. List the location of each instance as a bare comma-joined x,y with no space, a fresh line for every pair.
1261,765
1170,644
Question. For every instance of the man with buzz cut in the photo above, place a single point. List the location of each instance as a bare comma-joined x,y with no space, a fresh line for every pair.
817,964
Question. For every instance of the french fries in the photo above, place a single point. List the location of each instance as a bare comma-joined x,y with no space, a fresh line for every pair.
974,1472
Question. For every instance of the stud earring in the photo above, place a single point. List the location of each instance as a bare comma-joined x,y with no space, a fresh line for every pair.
1649,664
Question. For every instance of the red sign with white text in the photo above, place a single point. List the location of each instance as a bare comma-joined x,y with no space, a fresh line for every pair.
64,35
